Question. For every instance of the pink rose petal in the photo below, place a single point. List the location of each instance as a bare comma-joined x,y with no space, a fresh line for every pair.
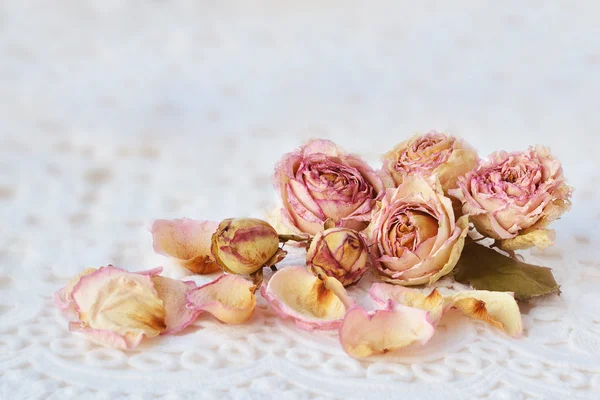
365,333
123,303
187,241
173,293
229,298
312,303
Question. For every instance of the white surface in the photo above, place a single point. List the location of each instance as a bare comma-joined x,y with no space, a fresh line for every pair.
113,113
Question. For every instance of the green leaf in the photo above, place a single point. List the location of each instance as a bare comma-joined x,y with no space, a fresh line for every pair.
487,269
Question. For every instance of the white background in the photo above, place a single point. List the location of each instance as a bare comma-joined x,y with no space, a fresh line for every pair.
113,113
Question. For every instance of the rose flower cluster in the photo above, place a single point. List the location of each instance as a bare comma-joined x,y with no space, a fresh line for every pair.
407,223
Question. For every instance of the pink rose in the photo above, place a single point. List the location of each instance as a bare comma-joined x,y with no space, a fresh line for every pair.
414,236
512,197
320,182
433,153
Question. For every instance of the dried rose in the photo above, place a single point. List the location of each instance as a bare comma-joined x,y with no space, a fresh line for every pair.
431,154
341,253
245,245
320,182
187,241
312,302
413,235
365,333
117,308
513,197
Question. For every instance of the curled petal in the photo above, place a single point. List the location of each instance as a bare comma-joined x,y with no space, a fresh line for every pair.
187,241
150,272
63,298
312,302
321,146
363,334
123,303
496,308
433,302
229,298
173,293
107,338
540,238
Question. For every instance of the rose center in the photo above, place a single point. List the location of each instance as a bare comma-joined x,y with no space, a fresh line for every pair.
412,228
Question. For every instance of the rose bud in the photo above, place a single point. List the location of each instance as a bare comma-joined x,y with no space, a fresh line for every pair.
245,245
414,237
340,253
513,197
320,182
433,153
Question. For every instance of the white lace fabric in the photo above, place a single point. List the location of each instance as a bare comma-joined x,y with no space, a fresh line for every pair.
114,114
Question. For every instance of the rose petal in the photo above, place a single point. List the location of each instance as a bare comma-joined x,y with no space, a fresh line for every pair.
63,298
496,308
541,238
108,338
302,217
124,303
433,302
321,146
312,302
173,293
229,298
186,240
150,272
363,334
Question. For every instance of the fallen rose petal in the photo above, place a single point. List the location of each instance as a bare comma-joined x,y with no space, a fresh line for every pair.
118,302
363,334
150,272
229,298
433,302
496,308
312,302
63,298
173,293
186,240
108,338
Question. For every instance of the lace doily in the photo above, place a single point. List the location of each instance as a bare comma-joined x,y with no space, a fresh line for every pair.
114,114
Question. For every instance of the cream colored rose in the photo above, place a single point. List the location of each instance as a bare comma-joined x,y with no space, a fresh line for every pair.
431,154
413,235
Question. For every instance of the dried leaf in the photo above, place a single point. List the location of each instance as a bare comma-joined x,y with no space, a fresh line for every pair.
487,269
